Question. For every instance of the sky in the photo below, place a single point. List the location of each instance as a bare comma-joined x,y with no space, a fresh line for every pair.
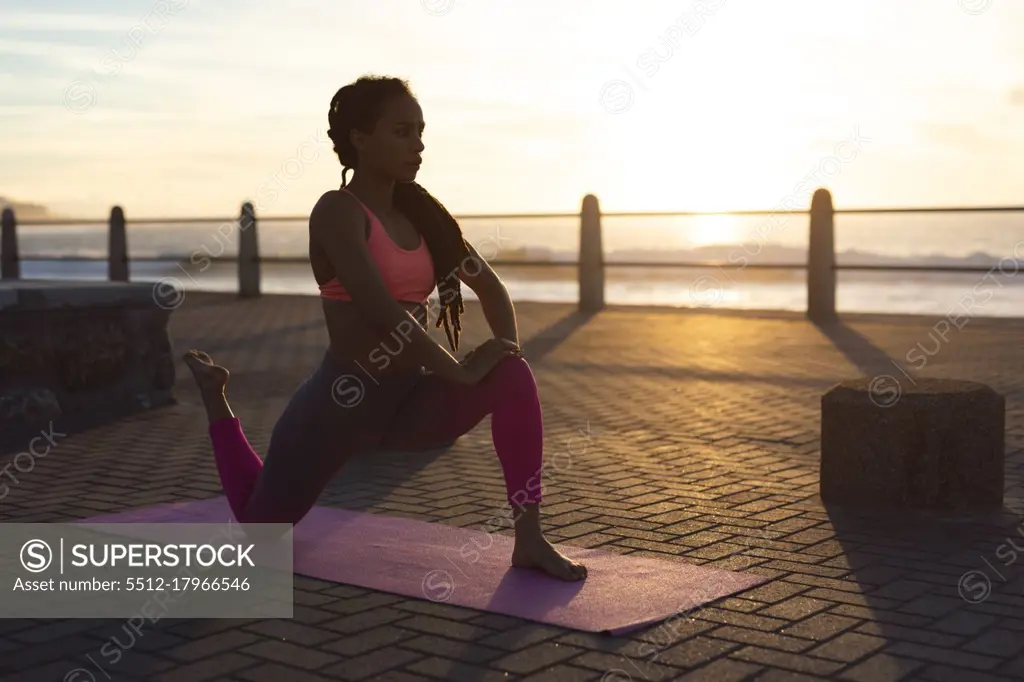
175,108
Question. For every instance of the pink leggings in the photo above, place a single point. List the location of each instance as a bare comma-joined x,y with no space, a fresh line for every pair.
317,435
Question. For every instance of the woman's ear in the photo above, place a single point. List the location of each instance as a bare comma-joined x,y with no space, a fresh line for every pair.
358,139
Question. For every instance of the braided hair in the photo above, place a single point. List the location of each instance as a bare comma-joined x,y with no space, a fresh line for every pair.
359,105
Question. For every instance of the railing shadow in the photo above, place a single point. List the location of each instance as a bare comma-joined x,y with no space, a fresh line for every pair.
921,571
855,347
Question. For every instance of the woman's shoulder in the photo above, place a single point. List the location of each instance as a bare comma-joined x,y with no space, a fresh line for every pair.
334,204
335,209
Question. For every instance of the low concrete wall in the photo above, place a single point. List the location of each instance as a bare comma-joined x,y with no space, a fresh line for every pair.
77,354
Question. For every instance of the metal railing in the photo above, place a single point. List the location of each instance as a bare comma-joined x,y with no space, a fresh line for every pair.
821,266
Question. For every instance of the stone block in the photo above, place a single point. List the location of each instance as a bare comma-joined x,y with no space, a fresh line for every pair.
77,354
937,445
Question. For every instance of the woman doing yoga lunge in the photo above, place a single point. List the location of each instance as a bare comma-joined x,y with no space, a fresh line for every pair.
378,247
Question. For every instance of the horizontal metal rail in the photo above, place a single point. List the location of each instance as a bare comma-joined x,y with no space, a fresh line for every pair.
533,216
302,260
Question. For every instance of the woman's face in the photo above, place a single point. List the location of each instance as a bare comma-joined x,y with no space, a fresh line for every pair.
394,148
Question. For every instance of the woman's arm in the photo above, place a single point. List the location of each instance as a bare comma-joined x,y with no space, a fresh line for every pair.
337,225
494,299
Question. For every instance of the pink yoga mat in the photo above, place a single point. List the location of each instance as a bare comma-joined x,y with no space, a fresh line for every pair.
470,568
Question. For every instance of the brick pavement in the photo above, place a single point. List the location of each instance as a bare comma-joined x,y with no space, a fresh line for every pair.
703,444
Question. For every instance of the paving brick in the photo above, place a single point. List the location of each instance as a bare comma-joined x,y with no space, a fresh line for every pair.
889,631
721,550
289,631
437,610
567,673
674,630
722,670
344,591
773,592
398,676
272,672
848,647
780,675
364,621
377,638
15,624
1016,624
474,652
945,656
902,590
742,620
935,607
768,640
964,623
779,659
59,669
741,605
290,654
194,629
827,583
520,637
133,663
694,652
625,665
207,669
1003,643
373,664
796,608
993,609
444,669
77,646
885,617
52,631
536,657
944,673
213,644
820,627
882,668
495,621
356,605
851,598
1013,668
304,615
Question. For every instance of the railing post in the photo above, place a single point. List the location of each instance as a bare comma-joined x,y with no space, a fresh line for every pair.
248,253
10,265
821,259
591,258
117,247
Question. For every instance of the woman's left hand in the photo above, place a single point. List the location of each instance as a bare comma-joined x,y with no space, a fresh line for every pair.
504,343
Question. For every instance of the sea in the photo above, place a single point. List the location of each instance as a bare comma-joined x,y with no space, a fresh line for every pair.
185,255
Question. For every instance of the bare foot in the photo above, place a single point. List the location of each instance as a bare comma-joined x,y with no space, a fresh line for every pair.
534,551
211,378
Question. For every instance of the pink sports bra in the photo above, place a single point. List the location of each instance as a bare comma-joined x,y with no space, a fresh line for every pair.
409,275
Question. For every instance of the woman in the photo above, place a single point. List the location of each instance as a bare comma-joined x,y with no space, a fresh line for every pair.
378,247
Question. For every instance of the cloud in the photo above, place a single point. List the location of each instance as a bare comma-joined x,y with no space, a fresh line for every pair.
71,22
62,54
